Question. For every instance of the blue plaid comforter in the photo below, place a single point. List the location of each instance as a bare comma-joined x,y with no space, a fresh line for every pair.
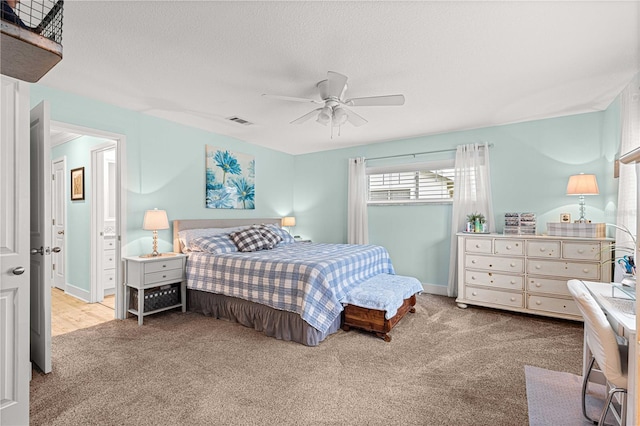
307,278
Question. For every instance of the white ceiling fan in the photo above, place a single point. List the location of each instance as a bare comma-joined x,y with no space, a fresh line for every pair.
334,111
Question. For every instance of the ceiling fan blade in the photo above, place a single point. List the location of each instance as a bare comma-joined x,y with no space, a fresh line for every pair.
355,119
306,117
336,84
388,100
291,98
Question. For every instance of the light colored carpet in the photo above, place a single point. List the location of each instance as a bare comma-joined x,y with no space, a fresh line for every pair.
444,366
554,398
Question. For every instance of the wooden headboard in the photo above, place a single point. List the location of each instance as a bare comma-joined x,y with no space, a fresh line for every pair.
181,225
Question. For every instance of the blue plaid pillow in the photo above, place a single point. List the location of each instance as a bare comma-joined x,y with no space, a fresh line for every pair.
287,238
250,239
215,244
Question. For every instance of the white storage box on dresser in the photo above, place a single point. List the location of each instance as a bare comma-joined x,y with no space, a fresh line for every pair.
528,273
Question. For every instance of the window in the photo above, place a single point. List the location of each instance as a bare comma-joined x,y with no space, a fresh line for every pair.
411,183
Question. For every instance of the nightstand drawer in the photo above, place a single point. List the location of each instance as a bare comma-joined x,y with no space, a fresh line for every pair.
504,264
491,279
514,300
156,277
163,265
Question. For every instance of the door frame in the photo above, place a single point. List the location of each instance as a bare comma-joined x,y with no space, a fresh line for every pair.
63,195
97,204
121,201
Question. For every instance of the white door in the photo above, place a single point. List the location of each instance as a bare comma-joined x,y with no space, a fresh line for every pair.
15,368
58,209
40,238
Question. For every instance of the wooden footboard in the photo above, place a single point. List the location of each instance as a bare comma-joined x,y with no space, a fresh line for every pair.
373,320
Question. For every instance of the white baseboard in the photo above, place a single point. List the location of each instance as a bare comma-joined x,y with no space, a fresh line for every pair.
77,292
440,290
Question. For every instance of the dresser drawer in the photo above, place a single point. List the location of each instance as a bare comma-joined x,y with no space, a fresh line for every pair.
109,259
545,285
552,304
109,279
504,264
514,300
509,247
156,277
548,249
163,266
109,243
584,271
491,279
478,245
581,251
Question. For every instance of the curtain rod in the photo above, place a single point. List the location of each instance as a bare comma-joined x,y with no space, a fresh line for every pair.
418,153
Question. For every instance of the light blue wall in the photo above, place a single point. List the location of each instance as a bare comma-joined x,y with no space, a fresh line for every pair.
78,261
530,166
166,166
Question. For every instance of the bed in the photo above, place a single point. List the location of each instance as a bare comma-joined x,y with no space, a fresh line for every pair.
291,292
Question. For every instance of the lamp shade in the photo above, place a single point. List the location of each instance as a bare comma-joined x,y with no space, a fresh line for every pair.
582,185
289,221
155,219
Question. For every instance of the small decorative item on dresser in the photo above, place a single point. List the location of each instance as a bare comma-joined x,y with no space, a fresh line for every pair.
476,222
565,217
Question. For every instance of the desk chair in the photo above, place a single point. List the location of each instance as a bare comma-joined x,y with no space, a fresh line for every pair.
608,349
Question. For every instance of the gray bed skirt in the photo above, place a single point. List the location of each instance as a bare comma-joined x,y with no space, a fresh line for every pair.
282,325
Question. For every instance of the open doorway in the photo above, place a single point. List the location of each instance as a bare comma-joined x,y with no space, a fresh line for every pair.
89,224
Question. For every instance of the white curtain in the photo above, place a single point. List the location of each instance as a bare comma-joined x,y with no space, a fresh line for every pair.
627,191
471,194
357,219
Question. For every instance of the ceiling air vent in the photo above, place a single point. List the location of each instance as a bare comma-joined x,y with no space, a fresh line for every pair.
240,121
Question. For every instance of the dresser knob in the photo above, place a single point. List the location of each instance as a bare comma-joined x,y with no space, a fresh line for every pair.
508,247
513,282
513,299
538,284
164,266
580,251
542,249
477,245
474,293
538,302
473,277
513,265
164,276
538,267
473,261
585,270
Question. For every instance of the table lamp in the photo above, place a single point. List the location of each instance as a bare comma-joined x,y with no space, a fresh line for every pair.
582,185
288,222
153,220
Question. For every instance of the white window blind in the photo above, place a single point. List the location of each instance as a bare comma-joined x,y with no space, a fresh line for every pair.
411,183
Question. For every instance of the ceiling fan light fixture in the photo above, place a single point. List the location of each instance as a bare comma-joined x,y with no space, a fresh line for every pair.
339,116
324,117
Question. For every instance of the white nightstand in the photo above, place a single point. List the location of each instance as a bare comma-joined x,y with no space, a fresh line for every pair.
154,276
302,240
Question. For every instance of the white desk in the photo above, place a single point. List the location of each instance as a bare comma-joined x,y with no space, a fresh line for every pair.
623,322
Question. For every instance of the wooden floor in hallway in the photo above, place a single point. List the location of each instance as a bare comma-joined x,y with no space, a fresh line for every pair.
69,314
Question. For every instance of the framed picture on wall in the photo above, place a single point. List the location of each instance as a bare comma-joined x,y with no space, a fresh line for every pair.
77,184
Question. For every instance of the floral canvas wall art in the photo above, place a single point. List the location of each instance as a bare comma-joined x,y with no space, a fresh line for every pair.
230,179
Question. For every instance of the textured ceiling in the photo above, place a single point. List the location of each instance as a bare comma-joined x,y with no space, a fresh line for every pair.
460,65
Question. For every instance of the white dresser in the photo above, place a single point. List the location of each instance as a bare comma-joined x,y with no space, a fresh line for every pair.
527,273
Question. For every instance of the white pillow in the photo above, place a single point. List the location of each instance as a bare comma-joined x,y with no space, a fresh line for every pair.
187,236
